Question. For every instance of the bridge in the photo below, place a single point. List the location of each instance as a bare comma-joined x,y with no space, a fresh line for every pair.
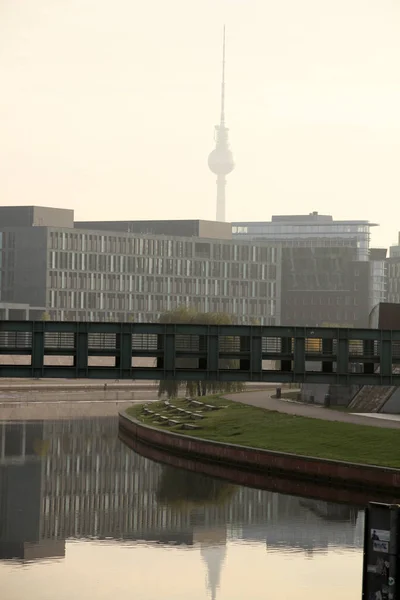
200,352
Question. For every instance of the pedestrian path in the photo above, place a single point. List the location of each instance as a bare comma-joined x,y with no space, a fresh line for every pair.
264,399
379,416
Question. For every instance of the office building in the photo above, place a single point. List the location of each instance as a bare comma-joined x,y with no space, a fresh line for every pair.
378,279
393,273
329,275
312,230
120,271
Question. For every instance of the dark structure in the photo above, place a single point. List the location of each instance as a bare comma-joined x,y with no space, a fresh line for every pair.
309,355
385,315
381,562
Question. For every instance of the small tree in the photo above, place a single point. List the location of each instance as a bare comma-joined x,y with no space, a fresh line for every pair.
184,314
45,316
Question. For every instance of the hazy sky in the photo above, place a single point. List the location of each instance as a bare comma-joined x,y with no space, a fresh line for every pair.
109,107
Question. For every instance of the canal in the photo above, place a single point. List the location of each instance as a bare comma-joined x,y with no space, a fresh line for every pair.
83,516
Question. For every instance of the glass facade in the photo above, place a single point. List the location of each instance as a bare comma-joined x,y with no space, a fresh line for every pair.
317,269
393,275
324,285
314,226
378,283
103,276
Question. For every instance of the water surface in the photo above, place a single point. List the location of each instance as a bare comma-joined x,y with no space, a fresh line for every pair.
82,516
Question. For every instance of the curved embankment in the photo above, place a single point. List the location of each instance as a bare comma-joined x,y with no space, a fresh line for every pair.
268,481
254,460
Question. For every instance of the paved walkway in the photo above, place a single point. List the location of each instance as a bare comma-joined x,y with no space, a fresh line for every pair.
65,410
264,400
75,406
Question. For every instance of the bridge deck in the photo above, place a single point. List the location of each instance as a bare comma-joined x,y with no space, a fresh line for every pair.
201,352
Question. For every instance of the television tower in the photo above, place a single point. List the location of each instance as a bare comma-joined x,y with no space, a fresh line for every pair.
220,161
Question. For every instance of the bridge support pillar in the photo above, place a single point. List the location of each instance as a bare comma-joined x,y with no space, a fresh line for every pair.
256,356
123,359
286,348
327,348
342,364
299,365
169,351
203,363
386,358
37,348
245,347
212,345
368,351
160,347
81,356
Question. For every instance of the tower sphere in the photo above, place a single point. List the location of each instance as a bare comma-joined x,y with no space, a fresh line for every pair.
220,161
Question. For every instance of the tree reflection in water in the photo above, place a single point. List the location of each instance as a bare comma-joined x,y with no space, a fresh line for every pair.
183,489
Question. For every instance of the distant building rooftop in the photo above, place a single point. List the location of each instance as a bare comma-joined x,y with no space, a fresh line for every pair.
42,216
174,228
312,228
312,218
36,216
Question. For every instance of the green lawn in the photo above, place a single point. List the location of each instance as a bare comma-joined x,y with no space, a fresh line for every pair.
238,423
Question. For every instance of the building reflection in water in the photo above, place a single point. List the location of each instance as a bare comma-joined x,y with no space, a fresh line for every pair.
75,479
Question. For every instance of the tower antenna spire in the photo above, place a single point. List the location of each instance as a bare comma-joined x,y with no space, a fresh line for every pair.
220,161
223,82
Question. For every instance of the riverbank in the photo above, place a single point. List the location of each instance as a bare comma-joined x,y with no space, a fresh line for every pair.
241,436
251,426
263,480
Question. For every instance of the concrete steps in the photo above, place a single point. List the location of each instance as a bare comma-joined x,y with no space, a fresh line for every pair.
371,398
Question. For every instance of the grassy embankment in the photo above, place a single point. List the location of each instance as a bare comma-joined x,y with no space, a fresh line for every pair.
237,423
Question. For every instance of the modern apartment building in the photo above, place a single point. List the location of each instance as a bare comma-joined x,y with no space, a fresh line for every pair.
329,274
134,270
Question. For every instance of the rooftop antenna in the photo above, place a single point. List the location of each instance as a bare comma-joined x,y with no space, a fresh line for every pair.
222,123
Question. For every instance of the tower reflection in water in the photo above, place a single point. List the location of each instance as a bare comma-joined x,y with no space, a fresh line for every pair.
74,479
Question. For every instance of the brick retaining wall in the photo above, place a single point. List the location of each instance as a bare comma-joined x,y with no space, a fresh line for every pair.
254,459
325,491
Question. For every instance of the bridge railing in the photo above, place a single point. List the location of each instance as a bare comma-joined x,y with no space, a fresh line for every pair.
212,352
